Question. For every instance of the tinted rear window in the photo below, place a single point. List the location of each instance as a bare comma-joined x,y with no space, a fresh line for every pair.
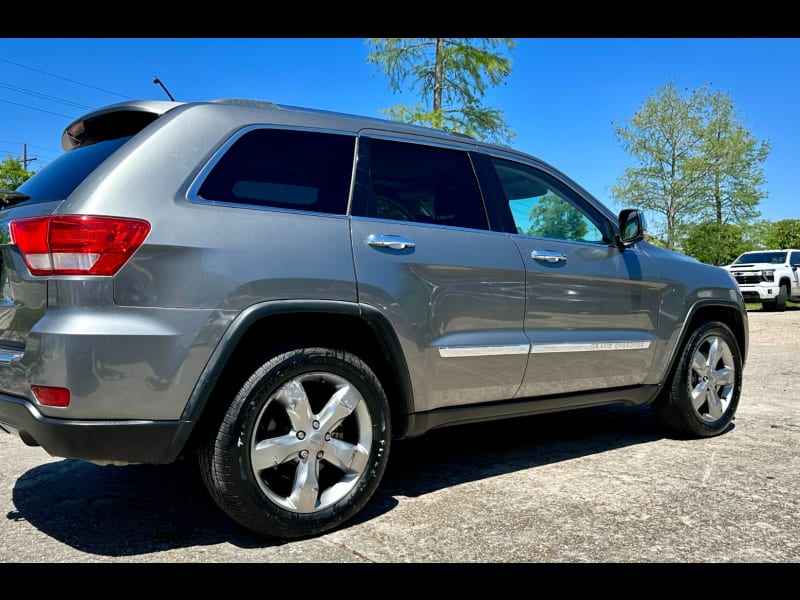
59,179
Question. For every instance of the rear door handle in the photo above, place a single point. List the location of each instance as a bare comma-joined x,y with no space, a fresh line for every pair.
393,242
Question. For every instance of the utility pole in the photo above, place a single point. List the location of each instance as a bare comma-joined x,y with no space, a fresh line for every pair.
25,159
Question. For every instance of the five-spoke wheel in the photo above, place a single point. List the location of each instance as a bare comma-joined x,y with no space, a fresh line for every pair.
302,446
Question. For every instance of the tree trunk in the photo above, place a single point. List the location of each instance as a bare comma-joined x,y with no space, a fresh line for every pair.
438,74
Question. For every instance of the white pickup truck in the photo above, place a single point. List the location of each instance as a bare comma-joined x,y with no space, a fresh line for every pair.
770,277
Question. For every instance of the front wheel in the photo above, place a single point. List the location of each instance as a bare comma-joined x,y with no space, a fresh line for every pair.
702,397
780,301
303,445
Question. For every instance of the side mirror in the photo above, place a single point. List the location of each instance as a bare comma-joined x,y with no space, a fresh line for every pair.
631,226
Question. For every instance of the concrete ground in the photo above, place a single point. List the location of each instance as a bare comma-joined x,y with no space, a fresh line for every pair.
595,486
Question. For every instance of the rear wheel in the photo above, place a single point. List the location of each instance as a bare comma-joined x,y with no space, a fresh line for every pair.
702,397
303,445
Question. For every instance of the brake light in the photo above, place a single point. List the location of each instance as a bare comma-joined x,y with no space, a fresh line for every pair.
77,244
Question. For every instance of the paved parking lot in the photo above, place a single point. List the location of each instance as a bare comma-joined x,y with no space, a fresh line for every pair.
597,486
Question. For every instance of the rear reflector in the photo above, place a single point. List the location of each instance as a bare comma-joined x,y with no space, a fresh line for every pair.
51,396
77,244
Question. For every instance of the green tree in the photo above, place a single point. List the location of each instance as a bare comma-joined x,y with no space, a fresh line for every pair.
783,234
696,161
736,174
715,243
451,76
756,232
12,174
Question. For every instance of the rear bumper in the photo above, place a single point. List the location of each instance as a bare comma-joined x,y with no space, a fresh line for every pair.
153,442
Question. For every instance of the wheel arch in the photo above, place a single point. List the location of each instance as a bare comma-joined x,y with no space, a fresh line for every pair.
704,311
269,328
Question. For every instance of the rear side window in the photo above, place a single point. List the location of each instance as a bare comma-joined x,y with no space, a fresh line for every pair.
298,170
59,179
403,181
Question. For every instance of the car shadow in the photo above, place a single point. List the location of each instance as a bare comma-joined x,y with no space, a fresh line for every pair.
119,511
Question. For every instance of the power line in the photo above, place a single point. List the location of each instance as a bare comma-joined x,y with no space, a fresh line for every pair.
11,62
8,86
39,109
30,146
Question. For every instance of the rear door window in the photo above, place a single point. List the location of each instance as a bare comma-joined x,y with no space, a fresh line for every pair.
416,183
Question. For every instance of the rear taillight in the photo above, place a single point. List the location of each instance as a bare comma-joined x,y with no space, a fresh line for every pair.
77,244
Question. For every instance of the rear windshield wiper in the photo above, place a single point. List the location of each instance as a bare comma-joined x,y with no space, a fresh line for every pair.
10,197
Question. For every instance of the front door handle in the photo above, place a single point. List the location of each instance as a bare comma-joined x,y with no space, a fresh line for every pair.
547,256
393,242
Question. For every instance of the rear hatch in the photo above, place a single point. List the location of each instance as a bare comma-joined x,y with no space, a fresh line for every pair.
87,142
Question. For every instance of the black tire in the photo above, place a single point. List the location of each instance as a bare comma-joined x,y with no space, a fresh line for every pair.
702,396
303,445
780,301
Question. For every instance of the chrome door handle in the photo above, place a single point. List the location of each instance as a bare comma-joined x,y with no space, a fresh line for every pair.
393,242
547,256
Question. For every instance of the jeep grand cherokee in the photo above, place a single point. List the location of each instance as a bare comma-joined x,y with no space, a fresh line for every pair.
281,293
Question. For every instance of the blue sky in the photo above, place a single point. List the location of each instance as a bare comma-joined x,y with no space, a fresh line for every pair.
562,98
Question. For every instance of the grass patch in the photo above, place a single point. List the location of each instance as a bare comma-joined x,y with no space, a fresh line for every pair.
756,306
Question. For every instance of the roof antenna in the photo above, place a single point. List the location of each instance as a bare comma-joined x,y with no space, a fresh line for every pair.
157,81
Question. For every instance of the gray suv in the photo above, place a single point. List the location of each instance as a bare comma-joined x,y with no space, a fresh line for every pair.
281,293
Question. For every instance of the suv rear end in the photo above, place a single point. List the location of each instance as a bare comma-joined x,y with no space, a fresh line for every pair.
104,347
71,316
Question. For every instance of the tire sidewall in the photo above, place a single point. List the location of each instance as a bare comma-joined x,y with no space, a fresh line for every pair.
696,423
249,404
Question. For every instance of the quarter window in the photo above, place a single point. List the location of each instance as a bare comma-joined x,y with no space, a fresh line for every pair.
299,170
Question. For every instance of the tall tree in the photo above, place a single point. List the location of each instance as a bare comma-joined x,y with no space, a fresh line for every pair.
451,77
12,173
665,137
696,161
736,175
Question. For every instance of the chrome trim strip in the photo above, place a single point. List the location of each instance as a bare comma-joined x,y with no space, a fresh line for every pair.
6,358
463,351
588,347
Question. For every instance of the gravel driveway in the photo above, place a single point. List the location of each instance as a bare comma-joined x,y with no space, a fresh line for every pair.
601,485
